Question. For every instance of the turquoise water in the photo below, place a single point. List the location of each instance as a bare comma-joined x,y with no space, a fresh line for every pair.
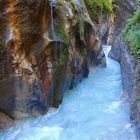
95,110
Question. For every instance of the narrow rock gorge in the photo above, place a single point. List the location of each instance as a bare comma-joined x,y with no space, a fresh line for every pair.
48,47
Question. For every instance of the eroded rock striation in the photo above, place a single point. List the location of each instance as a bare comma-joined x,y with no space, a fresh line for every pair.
46,47
5,121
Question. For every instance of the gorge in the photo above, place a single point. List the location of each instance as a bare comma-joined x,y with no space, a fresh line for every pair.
51,56
88,112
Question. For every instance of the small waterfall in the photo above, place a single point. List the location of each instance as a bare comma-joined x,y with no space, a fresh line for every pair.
79,8
68,8
9,35
55,37
52,4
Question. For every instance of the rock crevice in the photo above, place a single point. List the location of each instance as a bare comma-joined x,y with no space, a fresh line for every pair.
46,47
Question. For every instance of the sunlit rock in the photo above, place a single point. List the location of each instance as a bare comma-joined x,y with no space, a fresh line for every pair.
49,47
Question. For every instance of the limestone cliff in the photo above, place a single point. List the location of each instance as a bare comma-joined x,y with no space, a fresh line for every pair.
47,47
123,10
121,51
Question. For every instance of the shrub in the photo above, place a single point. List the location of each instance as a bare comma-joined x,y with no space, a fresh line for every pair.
138,1
131,33
99,6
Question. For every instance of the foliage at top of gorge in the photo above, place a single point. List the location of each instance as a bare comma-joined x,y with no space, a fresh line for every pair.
131,33
77,12
97,7
138,1
53,20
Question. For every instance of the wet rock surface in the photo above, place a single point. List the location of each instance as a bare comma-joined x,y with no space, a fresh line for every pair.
45,50
128,67
5,121
120,51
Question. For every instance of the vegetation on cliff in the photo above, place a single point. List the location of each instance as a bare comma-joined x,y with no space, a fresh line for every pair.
75,13
138,1
97,7
131,33
49,46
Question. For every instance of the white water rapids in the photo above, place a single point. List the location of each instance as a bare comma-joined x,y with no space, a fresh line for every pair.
92,111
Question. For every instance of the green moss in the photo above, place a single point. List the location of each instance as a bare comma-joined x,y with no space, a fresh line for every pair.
131,34
60,60
59,25
138,1
96,7
72,4
61,33
63,55
108,6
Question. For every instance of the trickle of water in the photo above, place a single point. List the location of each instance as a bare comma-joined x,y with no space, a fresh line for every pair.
52,4
81,8
92,111
68,9
9,35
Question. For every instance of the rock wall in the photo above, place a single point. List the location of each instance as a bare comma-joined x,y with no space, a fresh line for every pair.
5,121
46,47
120,51
123,10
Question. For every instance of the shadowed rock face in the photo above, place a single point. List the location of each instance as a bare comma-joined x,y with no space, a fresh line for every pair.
25,94
123,10
120,51
94,48
44,50
5,121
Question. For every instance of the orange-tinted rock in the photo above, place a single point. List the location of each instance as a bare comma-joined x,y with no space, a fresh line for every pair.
28,21
49,50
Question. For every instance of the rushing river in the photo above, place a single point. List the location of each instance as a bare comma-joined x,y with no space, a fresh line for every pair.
95,110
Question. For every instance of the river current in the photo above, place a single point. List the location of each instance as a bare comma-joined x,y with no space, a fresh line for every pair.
95,110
